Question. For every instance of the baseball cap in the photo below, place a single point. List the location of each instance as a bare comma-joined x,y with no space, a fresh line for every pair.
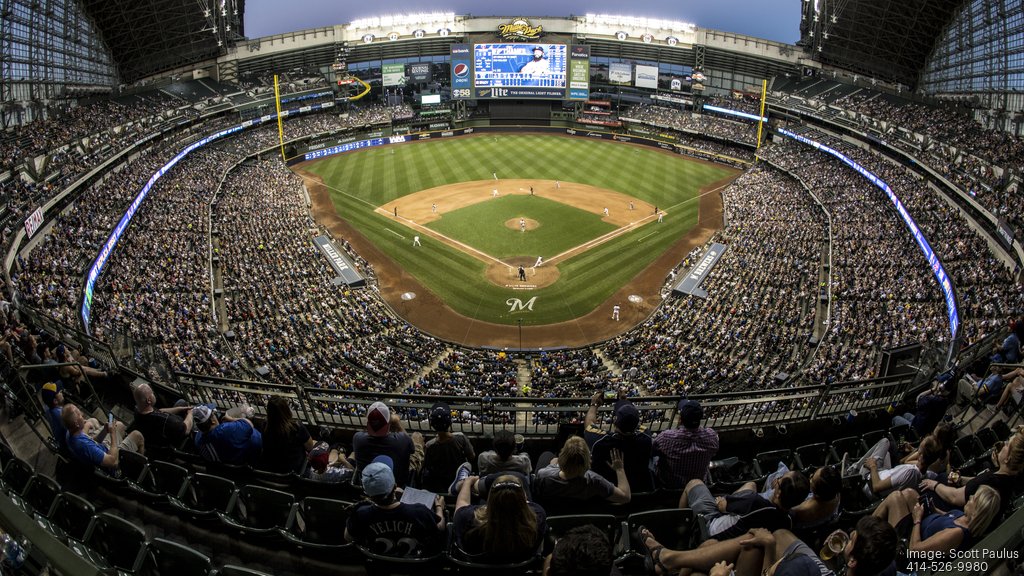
320,456
49,392
378,479
440,417
690,413
798,565
378,419
627,417
201,414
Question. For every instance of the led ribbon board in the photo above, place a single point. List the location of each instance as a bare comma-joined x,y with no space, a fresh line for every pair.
940,273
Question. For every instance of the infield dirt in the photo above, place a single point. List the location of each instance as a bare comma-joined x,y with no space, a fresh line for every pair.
430,314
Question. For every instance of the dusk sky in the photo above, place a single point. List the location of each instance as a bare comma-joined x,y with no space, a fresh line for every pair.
772,19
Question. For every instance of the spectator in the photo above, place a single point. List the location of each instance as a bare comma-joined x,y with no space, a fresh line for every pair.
328,464
444,454
233,441
931,407
53,398
1008,458
1008,351
569,477
503,458
636,447
163,428
379,440
870,549
937,531
882,477
508,528
684,453
582,551
821,505
989,388
388,526
85,450
286,442
724,512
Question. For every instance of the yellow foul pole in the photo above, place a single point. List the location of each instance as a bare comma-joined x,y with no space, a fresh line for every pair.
280,121
760,123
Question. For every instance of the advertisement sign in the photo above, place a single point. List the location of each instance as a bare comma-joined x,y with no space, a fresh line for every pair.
462,71
620,73
393,74
647,77
579,73
519,30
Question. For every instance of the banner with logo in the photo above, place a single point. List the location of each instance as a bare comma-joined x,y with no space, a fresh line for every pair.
579,72
690,284
339,261
647,77
620,73
393,74
462,71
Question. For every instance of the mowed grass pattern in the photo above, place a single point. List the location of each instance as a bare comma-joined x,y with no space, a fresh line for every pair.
482,226
361,181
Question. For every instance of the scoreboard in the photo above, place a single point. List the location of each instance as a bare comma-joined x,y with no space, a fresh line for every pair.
520,70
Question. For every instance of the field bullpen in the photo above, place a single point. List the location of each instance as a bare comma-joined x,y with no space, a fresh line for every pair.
473,240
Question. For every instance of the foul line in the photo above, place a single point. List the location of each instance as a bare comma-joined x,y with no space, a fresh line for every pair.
648,236
395,233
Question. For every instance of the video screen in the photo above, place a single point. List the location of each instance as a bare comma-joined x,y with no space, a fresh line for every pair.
519,65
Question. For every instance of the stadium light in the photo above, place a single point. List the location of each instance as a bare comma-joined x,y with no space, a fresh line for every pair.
613,20
393,20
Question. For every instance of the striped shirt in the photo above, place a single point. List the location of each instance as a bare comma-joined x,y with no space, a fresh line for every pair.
684,455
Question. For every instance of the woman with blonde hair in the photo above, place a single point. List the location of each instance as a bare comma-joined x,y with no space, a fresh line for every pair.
937,531
508,528
568,476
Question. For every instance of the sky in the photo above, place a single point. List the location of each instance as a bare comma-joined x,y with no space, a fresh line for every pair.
772,19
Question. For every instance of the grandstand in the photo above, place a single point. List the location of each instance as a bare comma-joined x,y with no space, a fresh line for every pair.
162,227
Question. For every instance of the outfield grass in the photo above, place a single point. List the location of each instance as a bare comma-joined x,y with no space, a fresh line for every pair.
361,181
482,226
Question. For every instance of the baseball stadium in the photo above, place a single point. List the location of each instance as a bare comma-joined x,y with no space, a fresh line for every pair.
564,295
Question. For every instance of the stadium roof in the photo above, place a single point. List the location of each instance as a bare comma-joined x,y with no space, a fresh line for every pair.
885,39
151,36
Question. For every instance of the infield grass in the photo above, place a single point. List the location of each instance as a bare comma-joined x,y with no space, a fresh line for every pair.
360,181
482,226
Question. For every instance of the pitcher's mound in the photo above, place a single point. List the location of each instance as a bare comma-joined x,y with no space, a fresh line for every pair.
506,274
513,223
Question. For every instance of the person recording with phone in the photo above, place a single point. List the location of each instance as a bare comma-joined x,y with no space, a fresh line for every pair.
105,453
625,435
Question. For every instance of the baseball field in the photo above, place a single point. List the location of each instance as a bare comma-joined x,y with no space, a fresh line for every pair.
462,215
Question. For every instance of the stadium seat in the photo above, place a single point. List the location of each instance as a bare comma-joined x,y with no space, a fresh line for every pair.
319,526
812,456
111,542
69,518
469,567
871,438
206,496
167,480
166,558
987,437
382,565
134,466
672,527
16,476
230,570
767,462
6,455
260,512
275,480
612,527
970,447
852,446
41,493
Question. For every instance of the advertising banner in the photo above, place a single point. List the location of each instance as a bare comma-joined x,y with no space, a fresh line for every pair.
647,77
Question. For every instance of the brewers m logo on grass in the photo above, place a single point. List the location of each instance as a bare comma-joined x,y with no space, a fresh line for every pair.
517,304
520,29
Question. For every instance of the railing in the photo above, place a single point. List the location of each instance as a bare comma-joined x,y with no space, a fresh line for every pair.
543,417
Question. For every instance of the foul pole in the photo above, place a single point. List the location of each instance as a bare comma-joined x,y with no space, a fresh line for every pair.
760,122
280,122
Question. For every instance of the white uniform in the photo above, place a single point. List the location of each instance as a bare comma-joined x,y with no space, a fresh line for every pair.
615,312
605,211
494,194
416,241
433,208
661,216
540,260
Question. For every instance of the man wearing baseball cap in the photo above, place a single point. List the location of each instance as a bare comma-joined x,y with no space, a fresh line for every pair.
445,453
233,441
626,436
379,439
389,526
685,453
538,65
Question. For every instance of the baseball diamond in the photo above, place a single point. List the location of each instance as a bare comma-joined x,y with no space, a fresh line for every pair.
473,241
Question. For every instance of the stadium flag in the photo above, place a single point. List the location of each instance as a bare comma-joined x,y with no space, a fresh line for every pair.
690,284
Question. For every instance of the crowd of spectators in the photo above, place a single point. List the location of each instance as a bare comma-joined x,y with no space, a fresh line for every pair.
687,121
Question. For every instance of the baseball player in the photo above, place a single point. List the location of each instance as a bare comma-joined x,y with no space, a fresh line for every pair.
531,190
495,174
540,260
605,211
433,208
539,65
615,312
630,204
416,241
522,225
558,184
494,193
661,216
